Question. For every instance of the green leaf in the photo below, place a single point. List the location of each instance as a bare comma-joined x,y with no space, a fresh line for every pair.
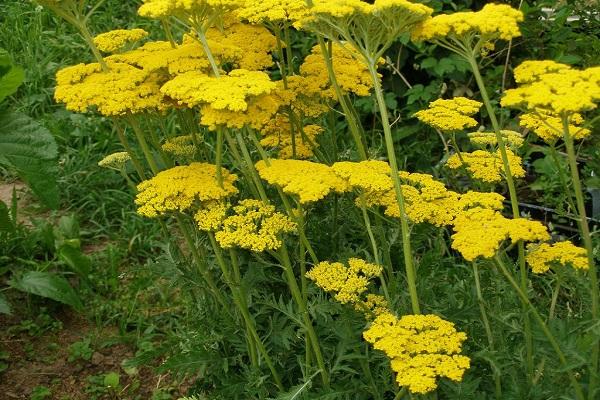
295,392
4,306
47,284
11,76
111,380
74,258
31,150
6,223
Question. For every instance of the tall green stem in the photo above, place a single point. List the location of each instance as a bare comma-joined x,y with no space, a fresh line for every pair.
389,142
589,247
219,157
536,315
139,135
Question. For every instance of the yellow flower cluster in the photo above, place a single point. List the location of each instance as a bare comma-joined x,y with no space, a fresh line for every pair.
531,71
422,348
180,147
479,232
483,139
210,217
179,188
544,256
372,306
564,90
159,9
259,112
348,283
278,134
450,115
120,90
115,160
255,42
229,92
308,180
276,12
113,41
351,73
255,226
494,21
487,166
303,96
549,127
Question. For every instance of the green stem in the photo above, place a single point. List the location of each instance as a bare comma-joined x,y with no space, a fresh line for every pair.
302,305
87,36
139,135
250,167
389,141
589,247
555,293
288,50
208,52
553,342
219,156
125,143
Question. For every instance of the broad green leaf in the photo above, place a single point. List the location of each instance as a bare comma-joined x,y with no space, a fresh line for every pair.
47,284
31,150
4,306
74,258
11,76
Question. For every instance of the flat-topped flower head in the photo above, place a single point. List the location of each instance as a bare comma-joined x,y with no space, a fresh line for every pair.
421,348
369,28
181,147
115,160
259,113
450,115
493,21
181,188
370,176
307,180
531,71
512,139
278,13
254,226
480,232
113,41
563,91
159,9
351,72
541,258
229,92
123,89
303,95
277,134
210,216
348,283
549,126
487,166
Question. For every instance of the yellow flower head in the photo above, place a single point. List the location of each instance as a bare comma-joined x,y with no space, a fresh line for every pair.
115,160
260,111
494,21
159,9
549,126
178,189
182,147
484,139
277,134
229,92
255,43
421,348
210,217
370,176
545,256
120,90
113,41
254,226
373,306
450,115
348,283
487,166
562,91
479,232
308,180
272,12
370,27
303,95
351,72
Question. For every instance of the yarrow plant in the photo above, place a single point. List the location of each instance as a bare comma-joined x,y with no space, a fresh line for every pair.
241,138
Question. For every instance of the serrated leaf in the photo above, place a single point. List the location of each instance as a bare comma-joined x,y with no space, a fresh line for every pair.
47,284
295,392
4,306
31,150
6,224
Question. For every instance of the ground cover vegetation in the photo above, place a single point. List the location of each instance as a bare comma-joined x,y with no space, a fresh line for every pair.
290,199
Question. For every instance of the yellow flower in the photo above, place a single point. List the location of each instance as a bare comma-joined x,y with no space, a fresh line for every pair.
211,216
259,113
532,71
562,91
303,96
159,9
115,160
549,126
483,139
545,256
308,180
421,348
120,90
113,41
494,21
255,226
277,133
229,92
487,166
273,12
180,147
450,115
348,283
479,232
180,188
